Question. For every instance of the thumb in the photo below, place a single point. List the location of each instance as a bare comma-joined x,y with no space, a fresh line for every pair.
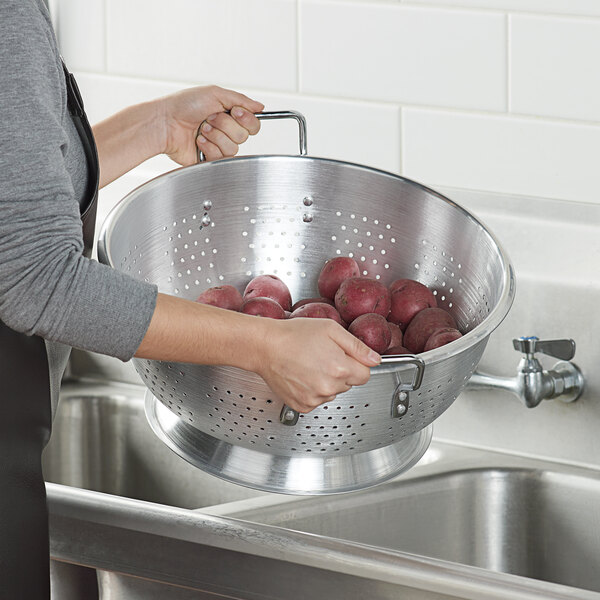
358,350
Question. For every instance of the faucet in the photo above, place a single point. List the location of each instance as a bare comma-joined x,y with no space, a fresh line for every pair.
533,383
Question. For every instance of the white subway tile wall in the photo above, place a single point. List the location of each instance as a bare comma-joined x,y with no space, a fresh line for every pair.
494,95
589,8
339,129
234,42
555,67
81,29
406,55
509,155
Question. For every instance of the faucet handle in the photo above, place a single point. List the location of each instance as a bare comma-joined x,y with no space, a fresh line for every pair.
563,349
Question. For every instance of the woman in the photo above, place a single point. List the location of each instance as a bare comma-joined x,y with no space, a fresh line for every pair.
53,297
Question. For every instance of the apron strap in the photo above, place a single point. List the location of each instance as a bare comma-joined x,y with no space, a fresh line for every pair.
88,208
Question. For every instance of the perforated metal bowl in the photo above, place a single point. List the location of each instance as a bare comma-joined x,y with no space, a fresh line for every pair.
230,220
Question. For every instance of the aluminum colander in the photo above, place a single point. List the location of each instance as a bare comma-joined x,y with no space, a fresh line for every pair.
227,221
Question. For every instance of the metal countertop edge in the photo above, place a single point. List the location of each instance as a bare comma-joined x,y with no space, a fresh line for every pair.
71,509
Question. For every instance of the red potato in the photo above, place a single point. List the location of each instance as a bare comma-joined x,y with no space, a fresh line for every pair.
408,298
334,271
269,286
423,324
311,300
223,296
396,350
357,296
396,334
318,310
263,307
373,330
441,337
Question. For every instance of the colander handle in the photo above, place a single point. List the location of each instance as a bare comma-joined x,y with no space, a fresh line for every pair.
398,362
280,114
389,364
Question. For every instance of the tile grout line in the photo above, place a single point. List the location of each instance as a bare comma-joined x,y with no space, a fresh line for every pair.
466,112
508,64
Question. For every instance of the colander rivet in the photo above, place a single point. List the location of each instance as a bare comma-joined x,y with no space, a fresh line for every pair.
205,220
401,409
307,201
307,218
288,416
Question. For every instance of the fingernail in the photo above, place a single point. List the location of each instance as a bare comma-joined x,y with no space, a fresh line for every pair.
237,112
201,139
206,127
211,118
374,356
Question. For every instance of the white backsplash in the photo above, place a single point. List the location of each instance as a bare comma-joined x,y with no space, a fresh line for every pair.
496,103
555,248
494,95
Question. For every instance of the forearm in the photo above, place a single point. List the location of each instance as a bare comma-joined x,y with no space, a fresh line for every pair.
127,139
305,362
185,331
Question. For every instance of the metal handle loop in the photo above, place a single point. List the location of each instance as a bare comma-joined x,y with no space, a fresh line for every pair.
400,398
397,362
389,364
281,114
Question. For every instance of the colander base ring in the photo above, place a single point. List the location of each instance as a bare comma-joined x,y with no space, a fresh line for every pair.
299,475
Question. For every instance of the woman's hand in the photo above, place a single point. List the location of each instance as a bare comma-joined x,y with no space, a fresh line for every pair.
170,125
310,361
220,132
305,362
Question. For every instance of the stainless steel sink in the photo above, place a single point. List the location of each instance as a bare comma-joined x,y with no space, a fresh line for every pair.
531,521
464,523
101,441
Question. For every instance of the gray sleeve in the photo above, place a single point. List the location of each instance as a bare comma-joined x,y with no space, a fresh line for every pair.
47,287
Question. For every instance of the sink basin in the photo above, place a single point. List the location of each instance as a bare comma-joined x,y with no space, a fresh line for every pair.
101,441
531,522
130,520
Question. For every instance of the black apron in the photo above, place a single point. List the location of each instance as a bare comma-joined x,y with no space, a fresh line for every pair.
26,421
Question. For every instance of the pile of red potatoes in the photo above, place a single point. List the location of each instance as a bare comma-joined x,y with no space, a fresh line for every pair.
402,318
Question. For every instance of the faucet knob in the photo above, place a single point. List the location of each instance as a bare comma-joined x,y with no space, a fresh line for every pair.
563,349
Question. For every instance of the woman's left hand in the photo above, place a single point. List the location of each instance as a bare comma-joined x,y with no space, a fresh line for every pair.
197,118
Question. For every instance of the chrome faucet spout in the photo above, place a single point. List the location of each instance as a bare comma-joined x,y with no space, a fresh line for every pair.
486,381
533,383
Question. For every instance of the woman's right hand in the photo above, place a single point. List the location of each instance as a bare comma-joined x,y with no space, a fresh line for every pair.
307,362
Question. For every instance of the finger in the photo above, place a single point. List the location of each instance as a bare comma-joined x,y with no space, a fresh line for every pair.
246,119
359,374
230,98
226,146
355,348
230,127
302,406
348,372
307,406
210,150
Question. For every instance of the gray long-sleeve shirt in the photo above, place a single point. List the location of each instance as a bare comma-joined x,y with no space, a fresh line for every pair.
47,287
